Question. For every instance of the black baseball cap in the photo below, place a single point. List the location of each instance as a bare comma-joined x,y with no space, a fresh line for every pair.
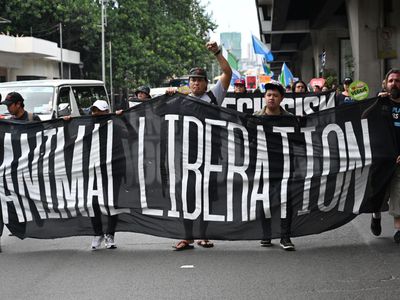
12,97
274,85
198,73
347,80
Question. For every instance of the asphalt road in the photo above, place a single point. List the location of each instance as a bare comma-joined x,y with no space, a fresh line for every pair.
346,263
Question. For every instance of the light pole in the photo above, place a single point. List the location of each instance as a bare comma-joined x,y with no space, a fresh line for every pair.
111,78
103,58
61,53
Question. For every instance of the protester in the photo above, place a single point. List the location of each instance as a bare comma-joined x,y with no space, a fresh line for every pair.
288,88
100,107
344,97
143,93
239,86
392,91
299,87
16,108
274,94
198,84
317,89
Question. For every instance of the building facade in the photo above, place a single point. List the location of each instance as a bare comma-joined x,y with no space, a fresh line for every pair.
357,38
28,58
232,41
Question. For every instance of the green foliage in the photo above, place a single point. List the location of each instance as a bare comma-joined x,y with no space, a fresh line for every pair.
331,78
151,40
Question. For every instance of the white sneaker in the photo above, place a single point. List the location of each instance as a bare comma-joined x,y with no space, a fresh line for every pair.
109,241
96,242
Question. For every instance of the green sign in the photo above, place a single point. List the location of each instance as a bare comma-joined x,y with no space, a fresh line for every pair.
358,90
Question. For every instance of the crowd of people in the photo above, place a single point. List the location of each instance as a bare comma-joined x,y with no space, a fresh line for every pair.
274,94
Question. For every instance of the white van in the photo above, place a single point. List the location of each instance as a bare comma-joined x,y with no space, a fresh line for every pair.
56,98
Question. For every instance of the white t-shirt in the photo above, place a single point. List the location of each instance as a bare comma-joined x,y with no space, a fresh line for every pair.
218,91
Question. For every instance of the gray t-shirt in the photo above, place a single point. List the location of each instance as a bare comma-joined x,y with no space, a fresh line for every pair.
218,91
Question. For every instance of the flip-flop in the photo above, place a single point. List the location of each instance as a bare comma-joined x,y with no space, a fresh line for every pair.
205,244
186,246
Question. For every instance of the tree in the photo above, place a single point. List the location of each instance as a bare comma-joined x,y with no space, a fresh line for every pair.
152,40
40,18
157,39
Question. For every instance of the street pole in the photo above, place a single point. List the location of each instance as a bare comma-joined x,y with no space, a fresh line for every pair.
103,59
111,80
61,53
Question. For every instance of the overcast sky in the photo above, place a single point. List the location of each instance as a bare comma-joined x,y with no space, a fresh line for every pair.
234,16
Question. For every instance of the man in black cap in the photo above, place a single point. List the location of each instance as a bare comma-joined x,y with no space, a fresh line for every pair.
15,106
143,93
344,97
274,94
198,81
198,84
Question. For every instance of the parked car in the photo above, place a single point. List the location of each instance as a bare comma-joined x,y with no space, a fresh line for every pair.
56,98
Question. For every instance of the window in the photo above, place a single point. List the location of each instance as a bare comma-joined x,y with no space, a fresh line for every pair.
64,103
37,99
346,59
85,96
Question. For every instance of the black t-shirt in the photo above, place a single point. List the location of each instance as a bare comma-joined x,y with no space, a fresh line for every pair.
25,117
342,99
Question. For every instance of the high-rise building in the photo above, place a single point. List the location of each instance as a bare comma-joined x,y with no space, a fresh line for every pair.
232,41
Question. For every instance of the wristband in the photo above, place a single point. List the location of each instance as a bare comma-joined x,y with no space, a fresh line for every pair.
218,52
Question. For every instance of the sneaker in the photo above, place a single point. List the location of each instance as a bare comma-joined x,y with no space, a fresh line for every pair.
110,244
376,227
287,244
96,242
266,243
396,237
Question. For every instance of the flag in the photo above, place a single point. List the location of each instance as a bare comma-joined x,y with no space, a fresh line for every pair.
267,69
233,63
235,75
261,48
286,77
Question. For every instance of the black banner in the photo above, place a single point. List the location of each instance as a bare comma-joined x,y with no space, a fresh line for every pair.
181,168
299,104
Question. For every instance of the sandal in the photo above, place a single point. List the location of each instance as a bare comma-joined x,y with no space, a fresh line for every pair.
205,244
182,245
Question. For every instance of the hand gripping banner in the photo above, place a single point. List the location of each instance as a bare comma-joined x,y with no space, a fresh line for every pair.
178,167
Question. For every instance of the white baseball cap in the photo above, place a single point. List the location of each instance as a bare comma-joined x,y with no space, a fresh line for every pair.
101,105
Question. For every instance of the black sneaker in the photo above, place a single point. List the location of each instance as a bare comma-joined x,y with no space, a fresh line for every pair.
396,237
266,243
376,227
287,244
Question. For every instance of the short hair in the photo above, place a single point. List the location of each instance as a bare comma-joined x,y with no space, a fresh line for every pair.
274,85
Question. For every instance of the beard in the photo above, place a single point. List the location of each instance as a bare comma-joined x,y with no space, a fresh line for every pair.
395,93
